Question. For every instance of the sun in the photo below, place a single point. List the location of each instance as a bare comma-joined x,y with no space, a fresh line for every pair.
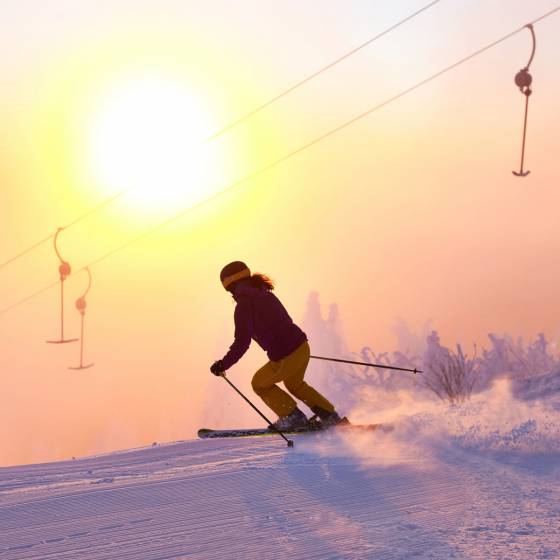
146,137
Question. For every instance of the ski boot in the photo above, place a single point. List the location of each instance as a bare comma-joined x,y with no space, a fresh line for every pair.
292,421
328,419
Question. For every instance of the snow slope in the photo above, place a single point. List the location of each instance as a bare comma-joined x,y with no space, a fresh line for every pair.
378,496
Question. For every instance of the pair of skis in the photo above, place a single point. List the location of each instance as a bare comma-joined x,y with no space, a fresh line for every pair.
313,427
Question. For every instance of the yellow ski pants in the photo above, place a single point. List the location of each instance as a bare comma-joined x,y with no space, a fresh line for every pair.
291,371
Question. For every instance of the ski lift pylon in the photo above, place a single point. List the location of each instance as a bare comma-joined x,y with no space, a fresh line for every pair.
64,271
523,81
81,305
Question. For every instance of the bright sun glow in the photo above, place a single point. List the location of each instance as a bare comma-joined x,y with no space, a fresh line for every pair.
146,137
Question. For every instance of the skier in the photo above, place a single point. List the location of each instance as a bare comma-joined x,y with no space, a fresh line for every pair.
260,315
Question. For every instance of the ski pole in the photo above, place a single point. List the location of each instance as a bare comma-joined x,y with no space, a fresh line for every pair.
415,371
270,424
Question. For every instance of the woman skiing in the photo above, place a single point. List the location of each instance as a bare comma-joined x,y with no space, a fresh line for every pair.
259,315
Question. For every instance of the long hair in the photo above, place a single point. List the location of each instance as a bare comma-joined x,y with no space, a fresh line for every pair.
261,281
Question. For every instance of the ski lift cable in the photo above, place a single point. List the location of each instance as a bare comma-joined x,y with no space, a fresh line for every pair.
320,71
289,155
83,216
238,121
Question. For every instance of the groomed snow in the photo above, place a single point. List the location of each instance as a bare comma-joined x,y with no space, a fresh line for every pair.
445,483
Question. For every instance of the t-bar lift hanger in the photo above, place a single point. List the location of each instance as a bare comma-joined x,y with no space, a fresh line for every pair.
64,270
81,305
523,81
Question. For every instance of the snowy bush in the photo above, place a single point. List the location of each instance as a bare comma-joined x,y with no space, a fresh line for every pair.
451,376
514,360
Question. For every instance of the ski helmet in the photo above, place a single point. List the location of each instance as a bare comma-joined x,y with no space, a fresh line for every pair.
233,272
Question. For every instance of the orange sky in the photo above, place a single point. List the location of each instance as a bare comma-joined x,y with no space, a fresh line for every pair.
412,212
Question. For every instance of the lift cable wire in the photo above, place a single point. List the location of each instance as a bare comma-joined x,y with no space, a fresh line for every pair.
74,222
319,72
287,156
238,121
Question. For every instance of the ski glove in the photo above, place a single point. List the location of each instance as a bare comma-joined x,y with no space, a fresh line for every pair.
217,367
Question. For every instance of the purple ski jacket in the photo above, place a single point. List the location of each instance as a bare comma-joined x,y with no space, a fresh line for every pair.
260,316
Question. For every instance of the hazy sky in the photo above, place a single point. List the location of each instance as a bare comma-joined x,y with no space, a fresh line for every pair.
412,212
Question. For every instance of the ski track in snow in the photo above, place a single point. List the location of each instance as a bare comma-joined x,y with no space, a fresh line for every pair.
256,499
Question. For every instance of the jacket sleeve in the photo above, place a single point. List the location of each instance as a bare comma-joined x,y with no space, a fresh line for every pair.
243,333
